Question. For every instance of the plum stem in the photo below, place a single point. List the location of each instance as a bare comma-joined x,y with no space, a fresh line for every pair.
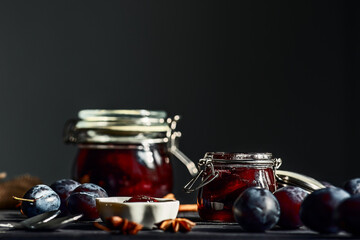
23,199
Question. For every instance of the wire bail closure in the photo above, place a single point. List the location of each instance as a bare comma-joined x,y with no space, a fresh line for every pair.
174,136
204,164
277,163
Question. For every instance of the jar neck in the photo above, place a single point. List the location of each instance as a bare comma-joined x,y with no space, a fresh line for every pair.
122,140
252,159
245,164
125,146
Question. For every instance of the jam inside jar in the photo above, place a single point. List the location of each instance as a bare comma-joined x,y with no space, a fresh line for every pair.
127,152
125,170
226,175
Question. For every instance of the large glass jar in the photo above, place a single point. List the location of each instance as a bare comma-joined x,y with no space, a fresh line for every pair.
127,152
224,176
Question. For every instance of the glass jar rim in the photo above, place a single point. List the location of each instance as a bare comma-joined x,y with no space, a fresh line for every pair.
122,120
118,114
238,156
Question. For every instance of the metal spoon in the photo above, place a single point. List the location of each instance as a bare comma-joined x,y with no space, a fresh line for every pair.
44,217
45,221
55,223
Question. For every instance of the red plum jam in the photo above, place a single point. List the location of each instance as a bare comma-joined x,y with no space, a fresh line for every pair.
126,170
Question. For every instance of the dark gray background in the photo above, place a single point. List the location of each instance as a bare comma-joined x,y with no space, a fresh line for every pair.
275,76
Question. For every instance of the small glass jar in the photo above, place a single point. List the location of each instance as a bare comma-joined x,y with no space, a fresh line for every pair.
224,176
127,152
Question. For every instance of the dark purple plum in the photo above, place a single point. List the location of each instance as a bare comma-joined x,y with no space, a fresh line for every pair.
317,211
290,199
84,203
90,187
82,200
348,215
352,186
63,188
256,210
39,199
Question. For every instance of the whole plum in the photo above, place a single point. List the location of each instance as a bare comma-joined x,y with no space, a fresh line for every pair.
82,200
90,187
83,203
352,186
39,199
290,199
256,210
317,211
63,188
348,215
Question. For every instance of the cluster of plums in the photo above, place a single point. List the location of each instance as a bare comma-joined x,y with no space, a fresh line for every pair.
327,210
66,195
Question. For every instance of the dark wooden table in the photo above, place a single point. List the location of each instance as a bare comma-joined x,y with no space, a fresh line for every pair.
203,230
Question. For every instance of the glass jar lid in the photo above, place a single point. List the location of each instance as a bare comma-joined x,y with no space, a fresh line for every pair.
118,126
119,114
123,120
229,157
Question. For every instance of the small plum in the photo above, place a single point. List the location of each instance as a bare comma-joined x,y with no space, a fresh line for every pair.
348,215
256,210
317,211
83,203
82,200
63,188
290,199
39,199
352,186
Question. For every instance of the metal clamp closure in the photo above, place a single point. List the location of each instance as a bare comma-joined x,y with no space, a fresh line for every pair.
277,163
203,165
173,148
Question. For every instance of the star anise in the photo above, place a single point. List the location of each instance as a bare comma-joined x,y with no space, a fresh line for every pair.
120,225
177,224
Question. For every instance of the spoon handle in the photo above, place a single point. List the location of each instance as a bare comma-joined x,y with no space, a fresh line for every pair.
7,225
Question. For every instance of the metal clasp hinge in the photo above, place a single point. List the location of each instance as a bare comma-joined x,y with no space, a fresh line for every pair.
203,165
174,136
277,163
